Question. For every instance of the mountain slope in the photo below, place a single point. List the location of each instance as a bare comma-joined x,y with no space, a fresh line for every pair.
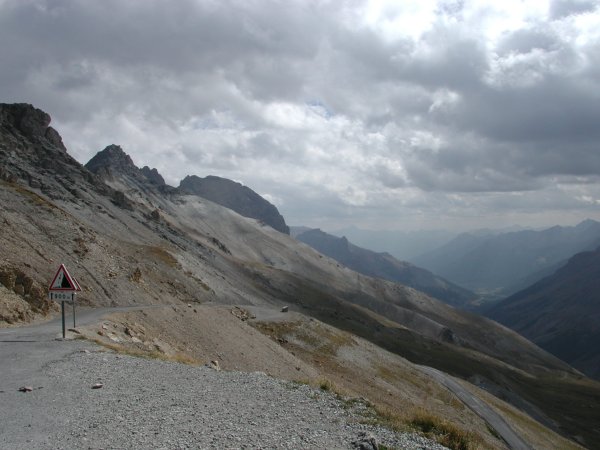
237,197
128,247
561,313
384,265
495,262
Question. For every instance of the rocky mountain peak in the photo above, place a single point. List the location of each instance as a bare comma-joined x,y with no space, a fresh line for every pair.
153,176
237,197
111,159
31,122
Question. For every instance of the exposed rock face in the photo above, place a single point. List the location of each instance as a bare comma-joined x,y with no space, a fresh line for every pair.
237,197
111,159
112,164
33,152
32,122
32,298
153,176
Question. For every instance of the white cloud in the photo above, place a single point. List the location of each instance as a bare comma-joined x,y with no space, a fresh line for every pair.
375,112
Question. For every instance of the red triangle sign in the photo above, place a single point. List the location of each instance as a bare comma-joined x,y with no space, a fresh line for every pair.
63,282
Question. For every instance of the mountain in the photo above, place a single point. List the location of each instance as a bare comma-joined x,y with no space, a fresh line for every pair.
497,262
237,197
384,265
401,244
130,242
561,313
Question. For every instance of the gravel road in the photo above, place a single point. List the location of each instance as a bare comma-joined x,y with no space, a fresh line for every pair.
146,403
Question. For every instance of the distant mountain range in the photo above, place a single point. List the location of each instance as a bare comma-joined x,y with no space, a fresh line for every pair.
384,265
504,263
403,245
561,313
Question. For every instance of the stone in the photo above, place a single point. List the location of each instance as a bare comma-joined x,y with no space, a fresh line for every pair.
285,309
214,364
19,289
136,276
25,389
365,441
97,386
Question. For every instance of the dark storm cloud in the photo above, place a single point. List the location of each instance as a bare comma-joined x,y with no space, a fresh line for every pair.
318,106
564,8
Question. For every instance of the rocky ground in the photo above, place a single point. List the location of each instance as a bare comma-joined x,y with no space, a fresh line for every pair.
93,399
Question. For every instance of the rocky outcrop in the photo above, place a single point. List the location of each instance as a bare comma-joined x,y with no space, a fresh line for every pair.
112,159
31,122
236,197
32,153
29,297
113,164
153,175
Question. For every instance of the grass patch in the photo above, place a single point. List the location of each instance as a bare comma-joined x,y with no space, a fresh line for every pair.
180,358
163,256
443,432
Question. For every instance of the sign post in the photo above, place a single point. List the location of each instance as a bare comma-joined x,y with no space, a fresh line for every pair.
63,287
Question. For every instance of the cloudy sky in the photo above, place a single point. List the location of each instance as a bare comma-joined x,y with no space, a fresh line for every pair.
416,114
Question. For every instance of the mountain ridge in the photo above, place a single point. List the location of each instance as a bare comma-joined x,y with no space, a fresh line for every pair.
500,262
561,313
384,265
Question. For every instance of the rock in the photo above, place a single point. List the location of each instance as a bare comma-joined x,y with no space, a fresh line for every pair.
136,276
97,386
285,309
25,389
74,330
155,215
19,289
153,176
365,441
214,364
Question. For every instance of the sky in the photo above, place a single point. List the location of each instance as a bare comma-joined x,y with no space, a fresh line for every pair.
380,114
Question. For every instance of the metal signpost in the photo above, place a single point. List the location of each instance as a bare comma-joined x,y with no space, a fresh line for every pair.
64,288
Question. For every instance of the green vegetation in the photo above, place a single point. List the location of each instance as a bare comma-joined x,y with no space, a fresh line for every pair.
443,432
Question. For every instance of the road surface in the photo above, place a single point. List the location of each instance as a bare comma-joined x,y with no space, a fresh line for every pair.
494,420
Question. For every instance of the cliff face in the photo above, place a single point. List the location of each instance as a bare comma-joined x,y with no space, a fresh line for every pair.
237,197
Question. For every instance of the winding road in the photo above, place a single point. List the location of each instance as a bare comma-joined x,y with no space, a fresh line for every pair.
494,420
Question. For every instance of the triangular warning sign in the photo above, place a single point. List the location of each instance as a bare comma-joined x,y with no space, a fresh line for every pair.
63,281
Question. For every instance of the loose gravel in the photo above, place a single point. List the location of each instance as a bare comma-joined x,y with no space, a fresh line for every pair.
154,404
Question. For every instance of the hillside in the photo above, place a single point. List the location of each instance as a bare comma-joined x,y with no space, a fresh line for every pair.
239,198
384,265
131,242
561,313
494,263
